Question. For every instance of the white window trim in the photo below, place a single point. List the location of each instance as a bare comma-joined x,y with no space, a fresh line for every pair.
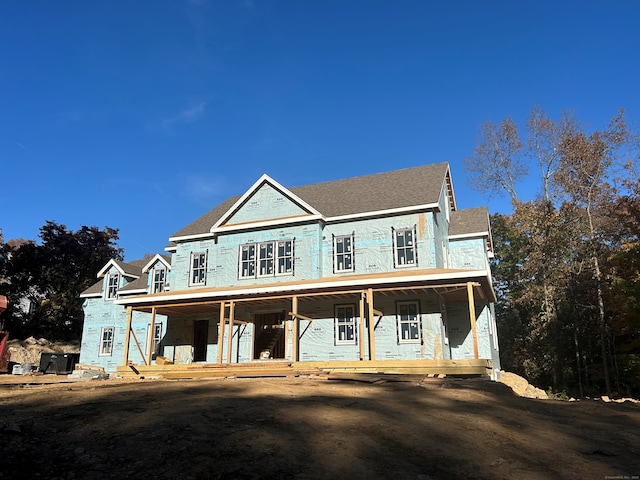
413,247
268,248
336,255
254,261
203,267
284,256
400,322
159,283
108,352
251,260
353,323
113,284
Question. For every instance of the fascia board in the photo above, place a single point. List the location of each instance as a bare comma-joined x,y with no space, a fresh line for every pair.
274,288
158,257
469,235
113,263
449,184
261,181
196,236
110,263
91,295
383,213
268,223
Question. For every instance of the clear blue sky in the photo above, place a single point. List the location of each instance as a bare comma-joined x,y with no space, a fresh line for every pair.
142,115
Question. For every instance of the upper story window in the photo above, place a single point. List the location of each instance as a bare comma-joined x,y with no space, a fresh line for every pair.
343,260
408,320
159,280
266,259
112,285
198,272
106,341
345,324
404,247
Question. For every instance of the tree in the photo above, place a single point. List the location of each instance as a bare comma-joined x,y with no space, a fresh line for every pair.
585,163
495,165
554,301
50,276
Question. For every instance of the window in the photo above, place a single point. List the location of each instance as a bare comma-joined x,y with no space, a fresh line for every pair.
198,268
285,257
106,341
159,276
343,253
112,285
157,336
404,247
248,261
265,253
345,325
408,320
266,259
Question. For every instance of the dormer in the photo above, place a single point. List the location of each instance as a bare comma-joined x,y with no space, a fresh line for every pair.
157,271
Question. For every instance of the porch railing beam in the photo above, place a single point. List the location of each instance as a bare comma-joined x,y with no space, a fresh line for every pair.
472,319
125,361
151,335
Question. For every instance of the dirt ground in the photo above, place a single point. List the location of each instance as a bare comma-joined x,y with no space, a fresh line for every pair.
307,428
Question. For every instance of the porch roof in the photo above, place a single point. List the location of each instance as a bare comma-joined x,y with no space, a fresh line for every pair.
449,283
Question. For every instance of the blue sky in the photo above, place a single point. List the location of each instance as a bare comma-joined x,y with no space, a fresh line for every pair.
143,115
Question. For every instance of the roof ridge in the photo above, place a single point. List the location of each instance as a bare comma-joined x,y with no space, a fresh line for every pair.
355,177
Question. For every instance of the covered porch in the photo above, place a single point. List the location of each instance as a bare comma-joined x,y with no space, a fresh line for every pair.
288,313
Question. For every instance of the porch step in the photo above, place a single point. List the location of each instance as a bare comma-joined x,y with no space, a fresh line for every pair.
268,368
267,339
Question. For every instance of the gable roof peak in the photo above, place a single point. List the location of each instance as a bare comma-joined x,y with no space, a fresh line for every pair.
264,179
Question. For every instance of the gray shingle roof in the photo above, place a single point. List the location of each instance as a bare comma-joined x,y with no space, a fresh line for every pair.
204,223
468,221
138,284
133,268
369,193
93,290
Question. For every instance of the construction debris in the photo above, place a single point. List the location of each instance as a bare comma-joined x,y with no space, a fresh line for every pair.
521,386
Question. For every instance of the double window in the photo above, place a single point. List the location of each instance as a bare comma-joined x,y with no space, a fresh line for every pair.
408,320
106,341
159,280
112,285
198,274
345,324
266,259
343,260
404,247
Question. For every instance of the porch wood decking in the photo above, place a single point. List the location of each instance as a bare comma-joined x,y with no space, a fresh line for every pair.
274,368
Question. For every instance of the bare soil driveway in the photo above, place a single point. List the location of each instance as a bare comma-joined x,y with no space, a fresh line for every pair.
308,428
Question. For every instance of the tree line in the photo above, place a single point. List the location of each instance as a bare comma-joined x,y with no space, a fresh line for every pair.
566,267
43,281
567,263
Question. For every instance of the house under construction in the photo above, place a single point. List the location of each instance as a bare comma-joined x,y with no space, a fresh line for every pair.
378,273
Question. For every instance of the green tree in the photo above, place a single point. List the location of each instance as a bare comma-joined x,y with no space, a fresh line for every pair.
585,165
562,245
51,275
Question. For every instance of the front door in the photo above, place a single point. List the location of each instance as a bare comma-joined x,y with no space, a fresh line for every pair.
200,336
269,339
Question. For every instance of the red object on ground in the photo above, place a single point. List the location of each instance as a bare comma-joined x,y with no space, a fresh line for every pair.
5,354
